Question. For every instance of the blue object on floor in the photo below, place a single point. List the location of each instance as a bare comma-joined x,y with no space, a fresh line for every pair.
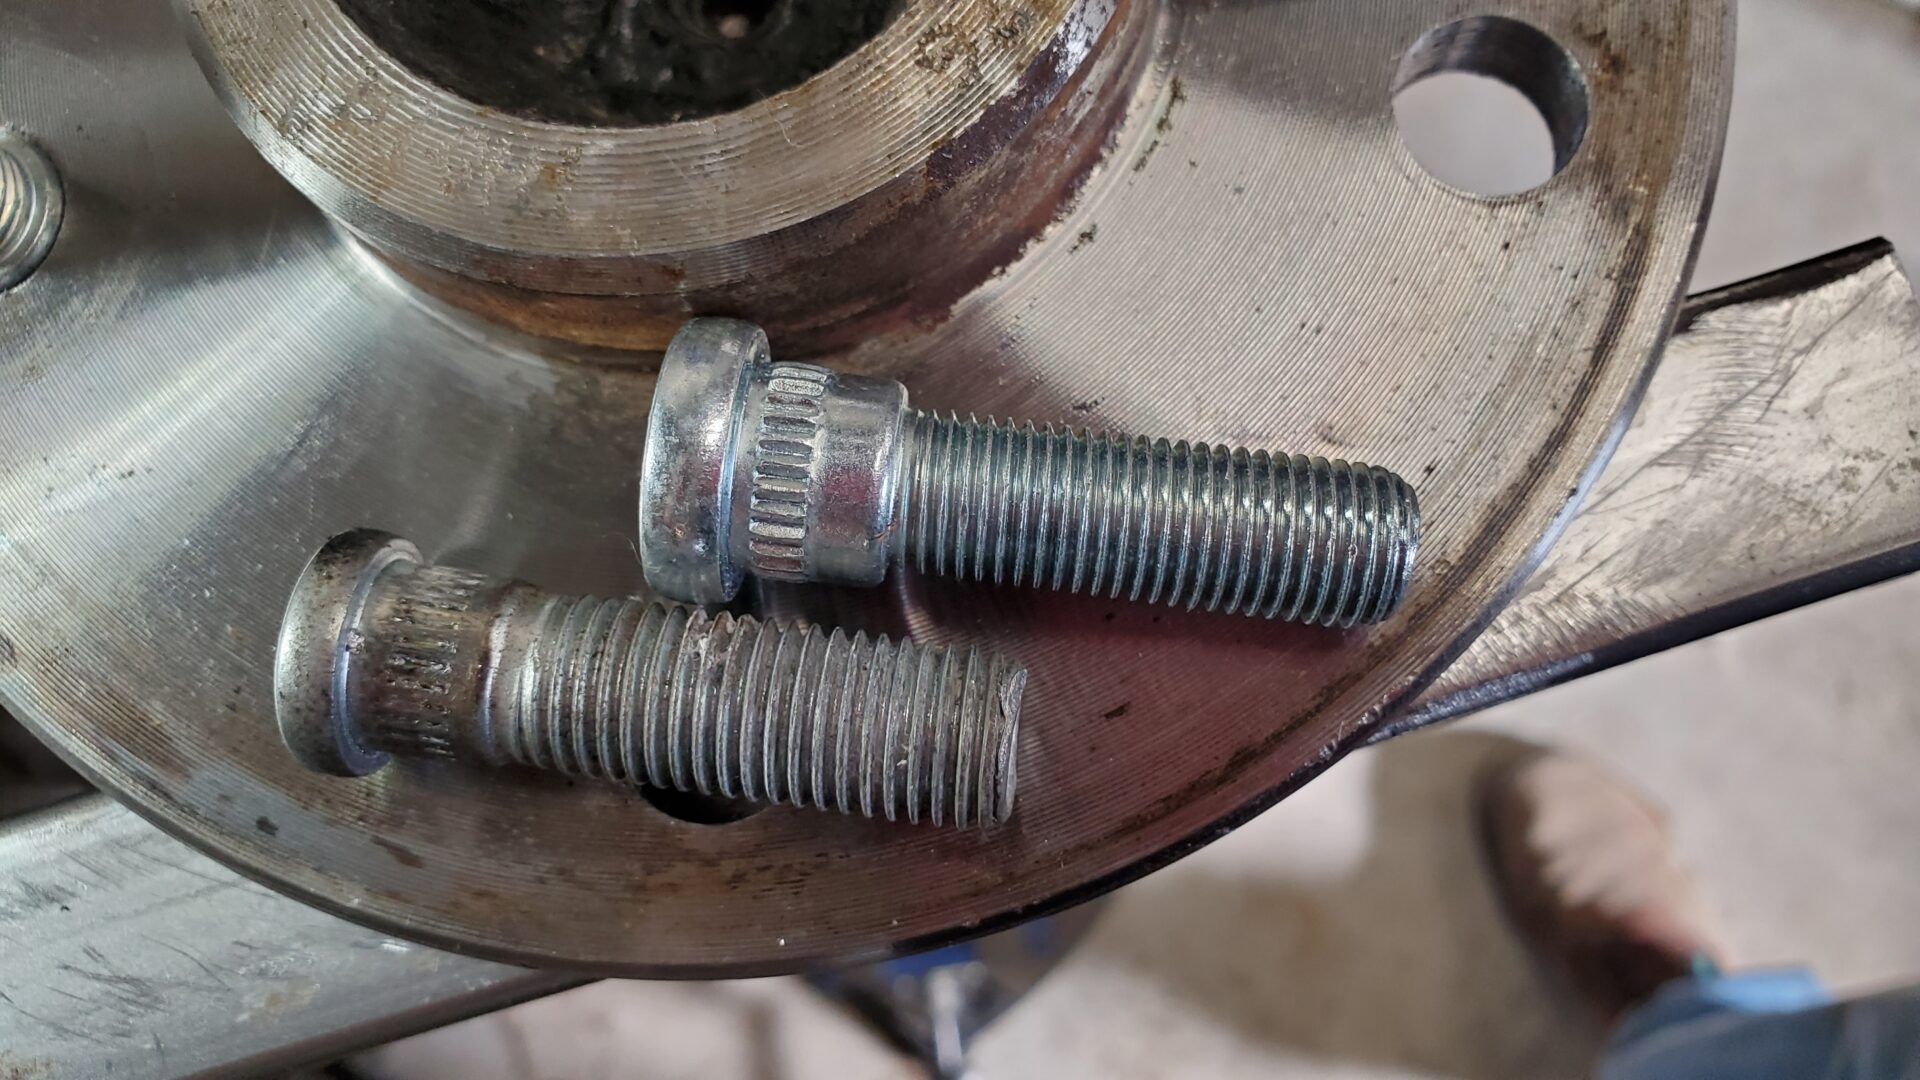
1778,1024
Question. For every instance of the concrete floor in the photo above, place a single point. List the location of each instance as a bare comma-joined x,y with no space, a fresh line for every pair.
1349,932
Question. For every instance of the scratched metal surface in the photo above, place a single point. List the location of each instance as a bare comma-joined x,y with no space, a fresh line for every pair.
128,954
872,195
1774,460
94,901
205,380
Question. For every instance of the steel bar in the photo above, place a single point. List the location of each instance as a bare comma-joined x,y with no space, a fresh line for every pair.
125,953
1775,461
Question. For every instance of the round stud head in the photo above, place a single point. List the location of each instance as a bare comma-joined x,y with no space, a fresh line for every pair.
688,475
311,660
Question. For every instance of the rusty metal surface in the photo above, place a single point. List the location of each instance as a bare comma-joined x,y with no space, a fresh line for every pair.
205,380
100,901
873,195
1774,461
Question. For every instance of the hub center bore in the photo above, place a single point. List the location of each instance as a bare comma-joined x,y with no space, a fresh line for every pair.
619,63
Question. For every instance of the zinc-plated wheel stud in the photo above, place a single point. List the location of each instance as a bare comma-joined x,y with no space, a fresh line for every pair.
793,472
32,203
381,654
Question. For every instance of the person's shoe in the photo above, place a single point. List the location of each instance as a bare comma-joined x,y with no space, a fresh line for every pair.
1584,866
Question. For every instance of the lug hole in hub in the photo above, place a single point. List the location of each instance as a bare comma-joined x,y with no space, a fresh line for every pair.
698,809
1490,106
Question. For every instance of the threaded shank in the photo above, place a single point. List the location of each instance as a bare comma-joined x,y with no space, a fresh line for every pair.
1295,538
673,697
31,206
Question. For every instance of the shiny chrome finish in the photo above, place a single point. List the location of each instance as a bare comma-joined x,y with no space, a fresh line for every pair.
787,471
381,654
207,379
31,205
802,474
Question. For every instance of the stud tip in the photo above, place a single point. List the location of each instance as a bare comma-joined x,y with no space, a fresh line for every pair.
1404,539
1410,554
687,471
310,657
1011,691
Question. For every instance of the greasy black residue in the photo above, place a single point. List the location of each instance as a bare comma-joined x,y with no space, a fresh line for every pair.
401,853
616,63
265,824
1117,711
1163,127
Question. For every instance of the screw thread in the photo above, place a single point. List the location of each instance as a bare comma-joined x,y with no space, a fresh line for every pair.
31,204
1295,538
733,706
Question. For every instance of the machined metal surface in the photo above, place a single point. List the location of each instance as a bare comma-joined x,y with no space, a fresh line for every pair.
384,656
205,380
101,902
797,473
1774,461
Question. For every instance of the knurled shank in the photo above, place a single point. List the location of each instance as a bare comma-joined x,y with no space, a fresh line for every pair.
451,664
417,661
